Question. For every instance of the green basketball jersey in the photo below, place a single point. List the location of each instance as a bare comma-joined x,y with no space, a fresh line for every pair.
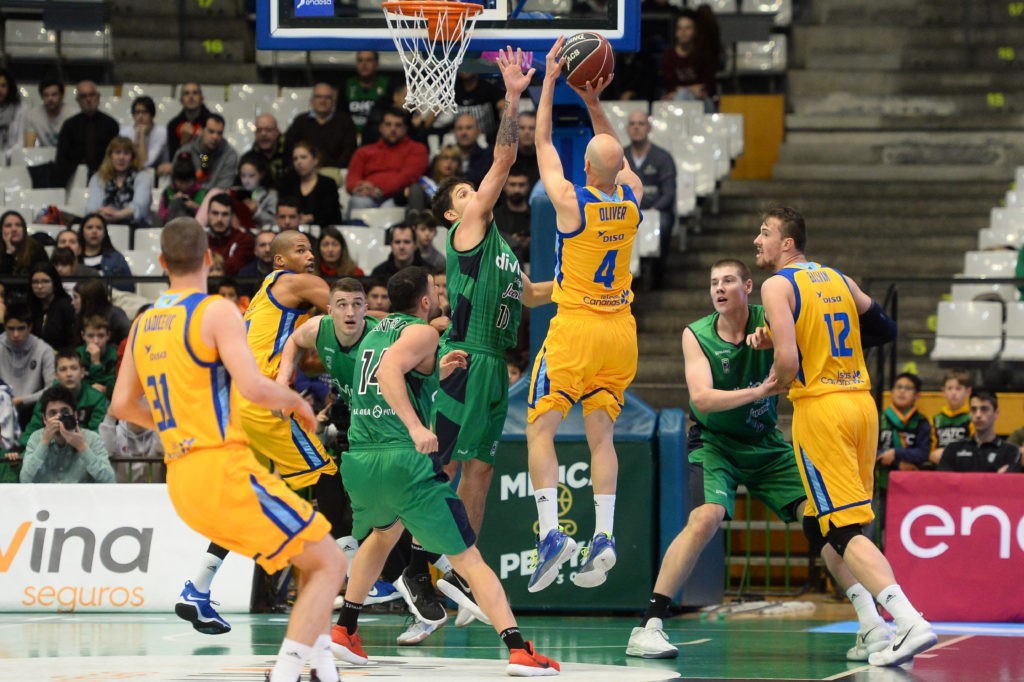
736,366
485,290
949,427
338,360
374,423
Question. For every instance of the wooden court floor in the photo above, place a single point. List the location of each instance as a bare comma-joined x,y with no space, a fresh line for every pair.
65,647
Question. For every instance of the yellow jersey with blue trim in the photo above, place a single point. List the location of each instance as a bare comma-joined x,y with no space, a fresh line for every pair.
186,384
268,324
827,332
592,264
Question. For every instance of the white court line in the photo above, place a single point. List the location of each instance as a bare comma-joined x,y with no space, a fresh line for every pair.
862,668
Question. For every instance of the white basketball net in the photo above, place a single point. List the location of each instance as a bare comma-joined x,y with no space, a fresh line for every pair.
430,62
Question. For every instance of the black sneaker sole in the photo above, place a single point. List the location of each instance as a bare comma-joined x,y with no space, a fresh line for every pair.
191,614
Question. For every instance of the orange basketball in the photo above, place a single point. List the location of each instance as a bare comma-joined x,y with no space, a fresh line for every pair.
588,57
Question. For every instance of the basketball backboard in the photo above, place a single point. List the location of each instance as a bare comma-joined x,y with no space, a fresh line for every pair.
360,24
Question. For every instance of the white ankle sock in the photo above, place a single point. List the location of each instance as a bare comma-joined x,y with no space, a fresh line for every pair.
547,510
204,576
442,564
604,514
895,602
291,660
323,660
864,604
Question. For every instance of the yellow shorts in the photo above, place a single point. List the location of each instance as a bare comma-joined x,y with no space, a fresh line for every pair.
225,495
587,358
298,456
835,438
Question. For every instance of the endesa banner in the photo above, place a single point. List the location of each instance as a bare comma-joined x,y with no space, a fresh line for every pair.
118,547
956,543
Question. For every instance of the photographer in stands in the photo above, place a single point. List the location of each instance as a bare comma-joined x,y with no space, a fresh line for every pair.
61,451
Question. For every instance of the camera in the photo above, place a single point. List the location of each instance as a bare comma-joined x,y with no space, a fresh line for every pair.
69,422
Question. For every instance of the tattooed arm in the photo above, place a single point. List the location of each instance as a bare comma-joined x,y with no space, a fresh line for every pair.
477,216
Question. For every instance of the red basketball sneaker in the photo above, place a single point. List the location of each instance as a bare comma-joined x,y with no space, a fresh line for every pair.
528,663
346,647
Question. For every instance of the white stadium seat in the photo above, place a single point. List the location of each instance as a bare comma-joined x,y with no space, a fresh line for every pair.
618,112
29,39
996,264
1013,347
147,240
32,156
379,217
968,331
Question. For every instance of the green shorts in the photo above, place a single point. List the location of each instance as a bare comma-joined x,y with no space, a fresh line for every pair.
470,409
718,464
386,484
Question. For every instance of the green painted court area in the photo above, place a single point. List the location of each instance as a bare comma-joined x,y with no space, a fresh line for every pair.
68,647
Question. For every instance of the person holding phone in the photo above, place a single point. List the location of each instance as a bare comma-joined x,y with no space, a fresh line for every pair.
62,451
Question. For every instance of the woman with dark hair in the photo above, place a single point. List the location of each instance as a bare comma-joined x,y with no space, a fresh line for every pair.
12,115
90,297
689,67
317,194
98,251
150,140
121,190
333,258
256,191
19,251
53,316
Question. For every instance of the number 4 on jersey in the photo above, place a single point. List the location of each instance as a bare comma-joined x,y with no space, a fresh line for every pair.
606,270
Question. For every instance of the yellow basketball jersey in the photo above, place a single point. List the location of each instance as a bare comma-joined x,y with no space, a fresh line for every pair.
186,385
827,333
268,324
592,264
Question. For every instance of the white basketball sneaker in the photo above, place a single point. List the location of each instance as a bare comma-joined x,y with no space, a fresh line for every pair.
906,644
869,642
650,641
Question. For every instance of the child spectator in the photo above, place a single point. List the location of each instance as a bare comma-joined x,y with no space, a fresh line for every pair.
90,405
181,198
26,361
90,297
98,355
953,423
904,438
516,367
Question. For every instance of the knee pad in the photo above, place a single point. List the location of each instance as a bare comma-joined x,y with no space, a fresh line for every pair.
839,538
812,531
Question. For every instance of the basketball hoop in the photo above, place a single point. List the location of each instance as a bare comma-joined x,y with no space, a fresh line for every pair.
431,39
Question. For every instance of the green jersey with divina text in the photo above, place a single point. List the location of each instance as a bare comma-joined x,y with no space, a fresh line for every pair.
339,361
374,423
485,290
736,366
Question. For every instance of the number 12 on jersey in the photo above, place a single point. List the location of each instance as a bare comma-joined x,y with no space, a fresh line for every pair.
838,332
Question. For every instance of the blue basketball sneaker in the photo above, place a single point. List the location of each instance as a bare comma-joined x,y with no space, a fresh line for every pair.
382,592
600,559
554,550
196,607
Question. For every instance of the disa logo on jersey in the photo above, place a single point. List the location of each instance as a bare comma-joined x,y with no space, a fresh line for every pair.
314,8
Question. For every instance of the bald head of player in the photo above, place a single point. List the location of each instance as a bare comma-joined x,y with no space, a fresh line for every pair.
603,160
184,247
291,250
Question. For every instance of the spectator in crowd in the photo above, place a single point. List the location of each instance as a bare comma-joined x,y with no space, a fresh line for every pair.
10,437
90,298
985,452
269,145
324,127
481,99
688,68
441,282
381,172
90,405
125,439
20,251
228,288
288,216
476,160
150,139
526,157
257,193
43,124
53,316
99,252
66,262
366,88
99,356
234,244
904,439
216,162
333,258
188,123
12,115
657,171
447,164
512,215
953,422
26,361
182,196
317,193
403,253
261,265
516,365
377,296
84,137
121,190
421,126
62,451
425,228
